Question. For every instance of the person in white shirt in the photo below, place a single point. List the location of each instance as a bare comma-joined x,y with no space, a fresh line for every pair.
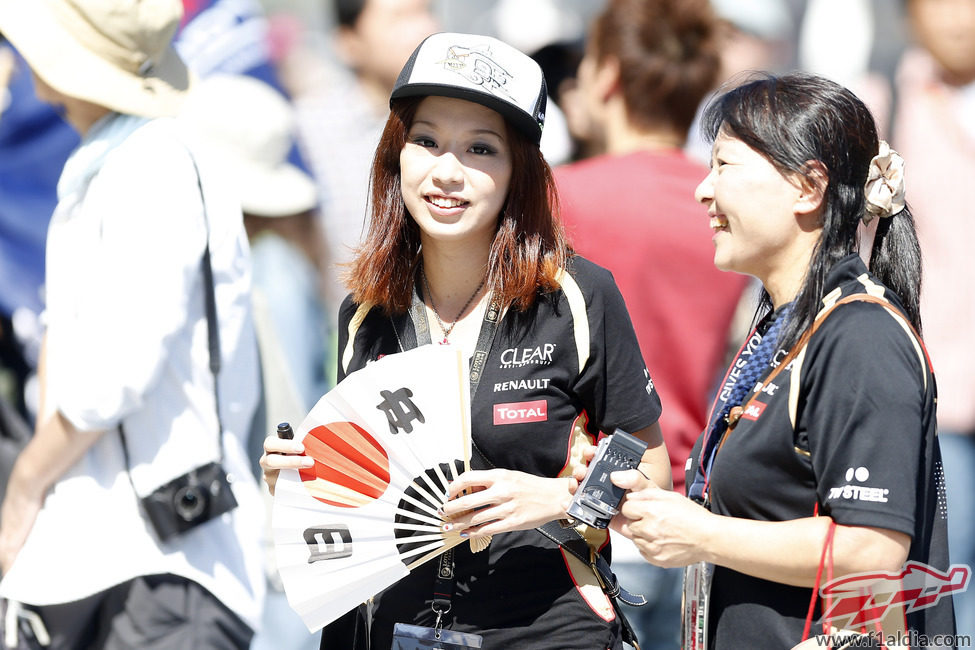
149,372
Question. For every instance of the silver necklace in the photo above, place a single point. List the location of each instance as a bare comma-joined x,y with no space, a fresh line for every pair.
448,329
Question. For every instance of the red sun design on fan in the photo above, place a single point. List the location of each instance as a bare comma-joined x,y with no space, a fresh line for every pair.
351,468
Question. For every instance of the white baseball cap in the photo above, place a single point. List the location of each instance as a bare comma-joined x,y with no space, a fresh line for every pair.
479,69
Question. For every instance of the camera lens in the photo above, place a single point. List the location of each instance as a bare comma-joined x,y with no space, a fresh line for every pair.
190,502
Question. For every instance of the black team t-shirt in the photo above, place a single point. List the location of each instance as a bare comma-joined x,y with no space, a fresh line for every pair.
863,446
555,377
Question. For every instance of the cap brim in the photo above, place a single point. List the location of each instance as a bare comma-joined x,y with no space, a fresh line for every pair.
57,57
479,69
517,117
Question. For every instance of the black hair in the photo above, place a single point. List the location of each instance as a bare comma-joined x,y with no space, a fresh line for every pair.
347,12
800,118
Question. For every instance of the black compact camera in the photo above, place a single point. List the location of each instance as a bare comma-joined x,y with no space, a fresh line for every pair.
189,500
597,499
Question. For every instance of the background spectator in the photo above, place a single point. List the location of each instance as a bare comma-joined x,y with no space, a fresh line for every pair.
646,68
342,99
214,36
248,127
149,369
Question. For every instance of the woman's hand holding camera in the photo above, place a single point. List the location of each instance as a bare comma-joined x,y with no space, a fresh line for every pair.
668,529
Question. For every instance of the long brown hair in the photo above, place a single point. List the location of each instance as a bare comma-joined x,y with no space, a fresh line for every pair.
529,245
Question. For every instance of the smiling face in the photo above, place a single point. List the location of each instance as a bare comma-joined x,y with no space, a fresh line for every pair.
759,217
455,171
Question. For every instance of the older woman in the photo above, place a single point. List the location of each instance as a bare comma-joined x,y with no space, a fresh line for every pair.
823,432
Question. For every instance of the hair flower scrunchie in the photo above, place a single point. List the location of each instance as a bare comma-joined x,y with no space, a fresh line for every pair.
885,184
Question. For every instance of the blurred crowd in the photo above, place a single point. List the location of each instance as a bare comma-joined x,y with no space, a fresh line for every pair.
291,100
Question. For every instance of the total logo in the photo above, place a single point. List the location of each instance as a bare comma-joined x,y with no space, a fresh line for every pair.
858,492
518,412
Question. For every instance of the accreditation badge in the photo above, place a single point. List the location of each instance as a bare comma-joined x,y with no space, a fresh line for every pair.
416,637
695,603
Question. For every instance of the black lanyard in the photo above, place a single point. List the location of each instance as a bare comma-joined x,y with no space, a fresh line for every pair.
756,366
409,338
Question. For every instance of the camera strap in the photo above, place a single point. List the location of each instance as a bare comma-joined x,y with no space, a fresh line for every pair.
572,541
213,332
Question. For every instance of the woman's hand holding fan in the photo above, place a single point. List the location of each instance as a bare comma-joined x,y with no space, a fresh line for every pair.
487,502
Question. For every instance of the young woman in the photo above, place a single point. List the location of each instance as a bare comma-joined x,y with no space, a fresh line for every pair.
464,249
844,433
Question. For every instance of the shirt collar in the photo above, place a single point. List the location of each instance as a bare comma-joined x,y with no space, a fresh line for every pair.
848,269
106,134
847,273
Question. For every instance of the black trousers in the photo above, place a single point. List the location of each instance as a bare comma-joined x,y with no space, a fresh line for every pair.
162,612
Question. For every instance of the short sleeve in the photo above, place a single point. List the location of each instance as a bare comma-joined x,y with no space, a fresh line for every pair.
614,385
862,411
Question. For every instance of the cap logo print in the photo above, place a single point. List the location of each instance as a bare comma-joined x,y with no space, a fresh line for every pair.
477,66
478,69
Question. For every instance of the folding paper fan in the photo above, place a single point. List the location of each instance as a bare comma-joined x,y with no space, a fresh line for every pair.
386,442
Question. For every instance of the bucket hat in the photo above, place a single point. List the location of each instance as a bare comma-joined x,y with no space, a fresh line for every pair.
247,128
479,69
114,53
